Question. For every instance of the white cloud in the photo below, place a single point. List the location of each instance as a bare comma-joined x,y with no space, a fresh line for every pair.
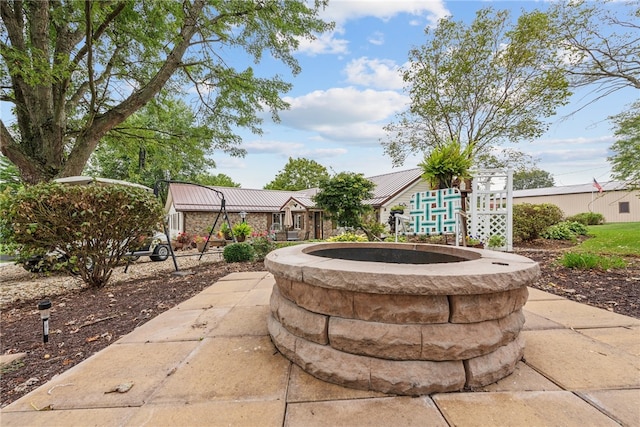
272,147
344,114
378,73
341,11
325,43
291,149
376,38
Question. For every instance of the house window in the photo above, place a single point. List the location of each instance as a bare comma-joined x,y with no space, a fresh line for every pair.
298,222
623,207
277,221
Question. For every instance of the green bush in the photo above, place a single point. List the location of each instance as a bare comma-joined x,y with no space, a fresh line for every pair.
561,231
530,220
348,236
588,261
239,252
564,231
587,218
86,228
262,245
577,227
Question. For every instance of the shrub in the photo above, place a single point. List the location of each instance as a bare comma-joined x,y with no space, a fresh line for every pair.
262,245
560,231
89,228
530,220
496,241
577,227
348,236
564,231
587,218
238,252
590,261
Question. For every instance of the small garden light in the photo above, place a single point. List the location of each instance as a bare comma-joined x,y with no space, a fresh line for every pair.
44,306
243,215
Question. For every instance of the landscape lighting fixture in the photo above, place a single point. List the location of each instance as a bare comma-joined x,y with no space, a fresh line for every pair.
44,306
243,215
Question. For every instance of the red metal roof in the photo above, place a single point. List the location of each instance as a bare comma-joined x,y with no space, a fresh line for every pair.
190,198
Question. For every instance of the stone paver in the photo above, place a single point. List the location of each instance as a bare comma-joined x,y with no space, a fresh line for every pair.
523,378
389,411
210,361
538,295
572,314
228,368
627,339
577,362
88,384
621,405
241,321
535,408
102,417
213,413
533,322
178,325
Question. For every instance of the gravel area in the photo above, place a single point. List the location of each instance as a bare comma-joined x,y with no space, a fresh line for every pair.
17,284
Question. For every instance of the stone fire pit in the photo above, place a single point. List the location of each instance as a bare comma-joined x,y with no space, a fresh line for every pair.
399,318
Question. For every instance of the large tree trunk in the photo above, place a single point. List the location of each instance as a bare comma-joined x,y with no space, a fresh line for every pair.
40,154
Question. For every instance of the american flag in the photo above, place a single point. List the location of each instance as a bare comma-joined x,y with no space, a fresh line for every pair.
598,186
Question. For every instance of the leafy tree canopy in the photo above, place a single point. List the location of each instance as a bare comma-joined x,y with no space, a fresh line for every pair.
299,174
219,180
9,175
342,196
162,139
74,71
625,159
525,179
601,43
481,84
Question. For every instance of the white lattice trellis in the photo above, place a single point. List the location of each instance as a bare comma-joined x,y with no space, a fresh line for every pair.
491,206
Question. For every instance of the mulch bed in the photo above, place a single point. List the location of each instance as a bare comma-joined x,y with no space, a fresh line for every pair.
85,322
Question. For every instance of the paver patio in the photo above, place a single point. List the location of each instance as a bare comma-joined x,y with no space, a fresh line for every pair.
209,361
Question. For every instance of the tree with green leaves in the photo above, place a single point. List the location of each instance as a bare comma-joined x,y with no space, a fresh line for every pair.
525,179
9,175
298,174
74,71
219,180
341,197
161,139
601,44
481,84
625,160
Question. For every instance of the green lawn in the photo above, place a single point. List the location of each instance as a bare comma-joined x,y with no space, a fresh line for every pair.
621,238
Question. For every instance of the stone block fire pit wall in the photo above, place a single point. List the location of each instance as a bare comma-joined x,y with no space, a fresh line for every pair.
399,318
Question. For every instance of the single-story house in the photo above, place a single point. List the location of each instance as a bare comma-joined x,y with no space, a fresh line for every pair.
615,202
193,209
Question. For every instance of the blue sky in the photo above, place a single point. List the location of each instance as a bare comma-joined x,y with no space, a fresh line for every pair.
349,88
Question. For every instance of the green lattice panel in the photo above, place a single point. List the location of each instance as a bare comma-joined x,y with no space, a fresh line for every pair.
434,212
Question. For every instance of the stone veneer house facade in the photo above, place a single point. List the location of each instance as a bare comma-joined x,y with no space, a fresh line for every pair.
194,209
